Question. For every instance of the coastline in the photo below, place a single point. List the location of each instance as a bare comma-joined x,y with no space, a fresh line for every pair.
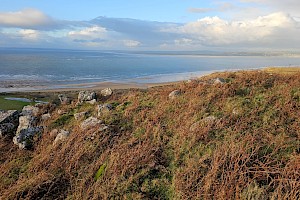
36,86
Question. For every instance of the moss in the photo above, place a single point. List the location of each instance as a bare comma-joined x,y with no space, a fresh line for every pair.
100,172
61,121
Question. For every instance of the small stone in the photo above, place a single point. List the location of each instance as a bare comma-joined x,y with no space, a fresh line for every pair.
90,123
217,81
210,119
86,96
61,112
174,94
235,111
104,108
103,128
92,102
61,136
80,115
106,92
53,133
64,99
46,116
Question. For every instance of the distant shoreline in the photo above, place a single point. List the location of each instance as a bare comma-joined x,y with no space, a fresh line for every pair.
28,86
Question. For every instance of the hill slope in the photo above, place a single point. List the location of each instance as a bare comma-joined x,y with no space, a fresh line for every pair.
240,139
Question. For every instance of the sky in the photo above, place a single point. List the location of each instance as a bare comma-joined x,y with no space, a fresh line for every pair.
226,25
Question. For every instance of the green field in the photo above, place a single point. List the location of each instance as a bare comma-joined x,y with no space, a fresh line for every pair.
11,105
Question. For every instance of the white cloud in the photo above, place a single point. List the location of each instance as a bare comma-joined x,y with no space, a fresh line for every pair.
89,33
27,18
216,31
131,43
29,34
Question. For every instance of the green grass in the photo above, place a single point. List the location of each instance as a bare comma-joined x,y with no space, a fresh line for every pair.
11,105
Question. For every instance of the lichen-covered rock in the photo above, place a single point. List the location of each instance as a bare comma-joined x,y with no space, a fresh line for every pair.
174,94
27,128
8,122
61,136
90,123
25,137
64,99
104,108
106,92
26,121
30,110
80,115
86,96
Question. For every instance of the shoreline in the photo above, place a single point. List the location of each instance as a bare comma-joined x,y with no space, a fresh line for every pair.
34,86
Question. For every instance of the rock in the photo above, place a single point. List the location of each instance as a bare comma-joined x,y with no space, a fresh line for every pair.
90,123
61,136
217,81
9,121
106,92
27,128
92,102
80,115
103,127
86,96
26,122
26,136
46,116
53,133
61,112
7,129
210,119
235,111
104,108
30,110
64,99
174,94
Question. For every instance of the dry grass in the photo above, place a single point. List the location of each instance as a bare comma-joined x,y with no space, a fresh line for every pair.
282,70
251,150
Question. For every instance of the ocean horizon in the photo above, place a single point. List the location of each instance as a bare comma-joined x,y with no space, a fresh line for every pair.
27,69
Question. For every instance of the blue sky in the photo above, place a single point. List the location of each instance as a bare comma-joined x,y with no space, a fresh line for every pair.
151,25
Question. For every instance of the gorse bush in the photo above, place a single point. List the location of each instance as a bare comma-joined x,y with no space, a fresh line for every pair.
237,140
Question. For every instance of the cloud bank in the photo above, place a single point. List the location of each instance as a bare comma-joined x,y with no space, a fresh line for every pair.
32,28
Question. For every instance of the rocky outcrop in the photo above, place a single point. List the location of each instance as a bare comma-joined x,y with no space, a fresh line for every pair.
106,92
90,123
27,128
86,96
8,122
174,94
25,138
104,108
61,136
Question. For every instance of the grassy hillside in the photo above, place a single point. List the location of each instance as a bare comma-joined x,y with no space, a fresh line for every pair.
238,140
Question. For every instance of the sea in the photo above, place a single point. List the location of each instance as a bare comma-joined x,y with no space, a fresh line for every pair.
27,69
